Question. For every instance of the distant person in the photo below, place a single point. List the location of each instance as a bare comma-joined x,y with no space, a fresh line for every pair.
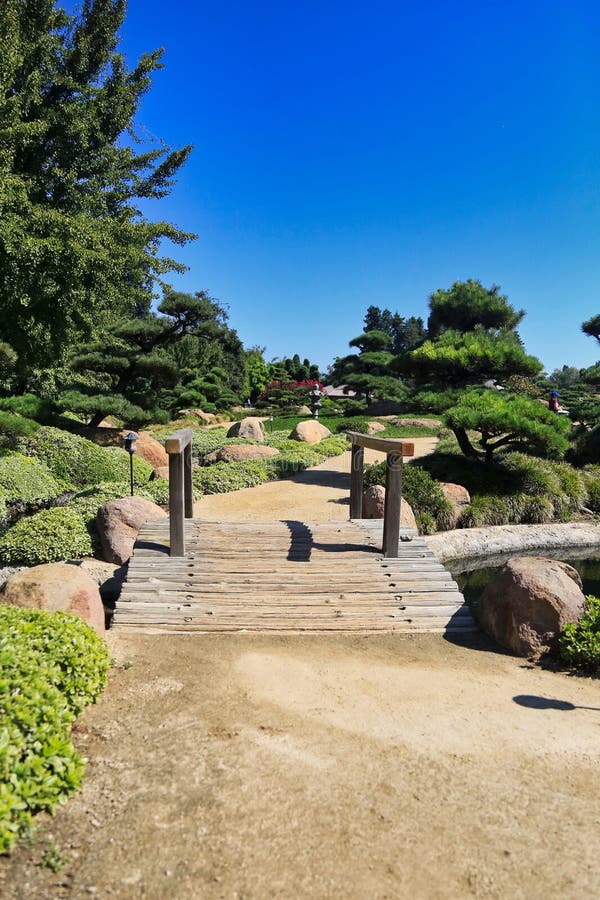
553,403
555,406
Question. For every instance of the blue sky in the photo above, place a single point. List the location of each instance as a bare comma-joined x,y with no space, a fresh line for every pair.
354,153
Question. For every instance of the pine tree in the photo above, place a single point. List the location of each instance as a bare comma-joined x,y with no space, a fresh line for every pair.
75,251
368,373
124,375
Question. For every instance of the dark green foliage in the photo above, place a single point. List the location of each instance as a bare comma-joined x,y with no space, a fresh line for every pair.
80,462
455,359
352,425
591,480
39,409
132,365
404,333
507,421
468,304
75,250
13,427
51,667
431,509
579,645
47,536
368,373
586,447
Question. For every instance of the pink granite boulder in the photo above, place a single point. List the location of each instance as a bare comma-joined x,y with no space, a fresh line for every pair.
529,602
57,587
118,524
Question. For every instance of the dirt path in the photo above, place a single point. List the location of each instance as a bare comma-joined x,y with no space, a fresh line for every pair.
319,494
251,766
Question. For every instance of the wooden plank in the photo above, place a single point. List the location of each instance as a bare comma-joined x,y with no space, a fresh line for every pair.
179,440
357,464
384,445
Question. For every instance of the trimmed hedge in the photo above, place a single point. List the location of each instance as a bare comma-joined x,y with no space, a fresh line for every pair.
223,477
26,480
80,462
52,665
47,536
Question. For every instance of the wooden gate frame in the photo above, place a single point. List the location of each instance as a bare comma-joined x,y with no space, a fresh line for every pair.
181,499
394,449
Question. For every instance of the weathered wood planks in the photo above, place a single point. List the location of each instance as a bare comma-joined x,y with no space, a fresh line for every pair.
282,577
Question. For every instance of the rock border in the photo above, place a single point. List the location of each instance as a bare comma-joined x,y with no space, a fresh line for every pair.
498,540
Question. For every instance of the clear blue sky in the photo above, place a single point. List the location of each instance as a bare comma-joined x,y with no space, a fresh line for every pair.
356,153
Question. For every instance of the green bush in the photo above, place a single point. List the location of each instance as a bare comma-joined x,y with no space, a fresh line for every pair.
579,645
586,447
223,477
591,479
158,491
47,536
206,441
80,462
358,425
27,480
52,665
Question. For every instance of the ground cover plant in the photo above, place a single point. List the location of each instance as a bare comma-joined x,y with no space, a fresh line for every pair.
52,665
26,480
514,488
579,644
47,536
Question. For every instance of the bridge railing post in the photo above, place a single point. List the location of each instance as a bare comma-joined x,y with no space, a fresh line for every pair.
394,450
181,501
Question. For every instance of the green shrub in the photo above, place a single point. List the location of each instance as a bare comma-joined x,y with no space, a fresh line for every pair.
207,440
579,645
52,665
27,480
485,511
158,491
538,511
358,425
47,536
591,480
80,462
223,477
432,510
586,447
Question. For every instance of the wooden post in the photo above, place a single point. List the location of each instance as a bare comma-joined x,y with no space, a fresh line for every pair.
356,481
393,499
176,504
187,482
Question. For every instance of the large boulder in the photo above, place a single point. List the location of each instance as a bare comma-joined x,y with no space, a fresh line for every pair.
529,602
373,506
375,427
239,452
160,472
311,432
250,428
118,524
57,587
303,411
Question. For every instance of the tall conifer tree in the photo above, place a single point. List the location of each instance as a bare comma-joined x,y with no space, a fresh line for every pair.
75,250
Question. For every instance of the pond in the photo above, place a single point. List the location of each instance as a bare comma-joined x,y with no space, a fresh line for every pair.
472,575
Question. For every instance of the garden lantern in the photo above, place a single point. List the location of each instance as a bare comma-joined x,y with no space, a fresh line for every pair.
315,401
130,440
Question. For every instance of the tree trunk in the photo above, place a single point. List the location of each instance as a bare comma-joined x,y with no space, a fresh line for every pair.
95,420
465,444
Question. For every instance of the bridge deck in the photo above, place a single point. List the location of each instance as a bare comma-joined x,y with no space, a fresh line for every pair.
288,577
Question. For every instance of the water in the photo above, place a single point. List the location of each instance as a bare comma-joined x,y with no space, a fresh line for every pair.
473,575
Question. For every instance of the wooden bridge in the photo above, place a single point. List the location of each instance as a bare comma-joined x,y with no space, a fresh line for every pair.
289,576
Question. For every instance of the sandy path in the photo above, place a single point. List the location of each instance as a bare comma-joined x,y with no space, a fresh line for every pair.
319,494
395,766
230,766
